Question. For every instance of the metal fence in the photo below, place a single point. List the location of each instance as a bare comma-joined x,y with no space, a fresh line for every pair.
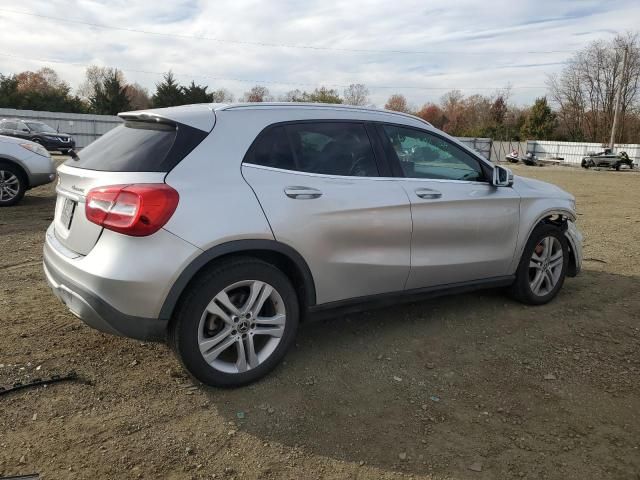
572,152
480,145
499,150
85,128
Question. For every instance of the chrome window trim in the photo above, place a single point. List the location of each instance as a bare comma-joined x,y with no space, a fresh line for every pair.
347,177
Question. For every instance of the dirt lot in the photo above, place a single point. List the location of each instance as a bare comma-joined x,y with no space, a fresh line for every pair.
474,386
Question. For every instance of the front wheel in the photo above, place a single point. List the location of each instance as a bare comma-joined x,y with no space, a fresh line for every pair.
12,185
543,266
235,323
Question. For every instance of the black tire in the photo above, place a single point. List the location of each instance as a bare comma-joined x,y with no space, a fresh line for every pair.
22,184
521,289
617,167
183,331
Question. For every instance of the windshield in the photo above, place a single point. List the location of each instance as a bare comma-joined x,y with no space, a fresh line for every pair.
40,127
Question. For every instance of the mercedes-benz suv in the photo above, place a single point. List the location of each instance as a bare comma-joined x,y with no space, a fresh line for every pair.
221,227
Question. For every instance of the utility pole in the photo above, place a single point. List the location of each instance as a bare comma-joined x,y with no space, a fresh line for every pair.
616,112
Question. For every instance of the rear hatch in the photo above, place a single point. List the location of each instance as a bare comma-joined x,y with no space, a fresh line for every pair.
141,150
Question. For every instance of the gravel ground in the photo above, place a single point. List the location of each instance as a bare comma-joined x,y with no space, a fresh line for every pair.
474,386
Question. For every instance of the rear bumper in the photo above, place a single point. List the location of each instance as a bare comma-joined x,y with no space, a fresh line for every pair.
98,314
120,286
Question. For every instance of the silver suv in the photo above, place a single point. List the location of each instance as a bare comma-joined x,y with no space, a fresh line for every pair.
220,227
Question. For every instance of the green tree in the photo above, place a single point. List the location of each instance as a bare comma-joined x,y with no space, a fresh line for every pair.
540,121
41,90
322,95
110,95
196,94
168,92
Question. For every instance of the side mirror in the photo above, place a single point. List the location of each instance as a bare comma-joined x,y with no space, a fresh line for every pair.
502,177
73,154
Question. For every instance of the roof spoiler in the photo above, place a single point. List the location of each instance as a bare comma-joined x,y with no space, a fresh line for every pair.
200,116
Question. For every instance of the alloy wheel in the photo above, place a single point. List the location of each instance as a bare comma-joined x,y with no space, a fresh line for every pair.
9,185
545,266
241,326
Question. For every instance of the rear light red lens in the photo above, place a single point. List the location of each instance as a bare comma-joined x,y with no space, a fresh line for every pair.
137,210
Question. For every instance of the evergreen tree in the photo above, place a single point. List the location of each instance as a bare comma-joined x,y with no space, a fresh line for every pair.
196,94
168,92
540,121
110,95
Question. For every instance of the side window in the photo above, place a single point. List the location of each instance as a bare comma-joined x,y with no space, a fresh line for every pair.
9,125
330,148
272,149
333,148
22,127
423,155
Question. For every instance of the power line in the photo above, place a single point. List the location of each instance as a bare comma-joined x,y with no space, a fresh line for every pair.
283,45
270,82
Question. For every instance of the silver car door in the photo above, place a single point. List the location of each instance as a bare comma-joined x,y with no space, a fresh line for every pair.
319,187
464,229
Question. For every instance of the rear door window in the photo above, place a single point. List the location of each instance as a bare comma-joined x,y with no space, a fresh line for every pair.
329,148
140,146
9,125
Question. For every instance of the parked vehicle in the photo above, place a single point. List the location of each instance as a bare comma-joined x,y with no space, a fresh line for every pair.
531,160
513,157
221,227
23,165
37,132
607,159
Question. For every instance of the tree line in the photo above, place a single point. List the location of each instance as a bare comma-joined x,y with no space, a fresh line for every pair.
579,105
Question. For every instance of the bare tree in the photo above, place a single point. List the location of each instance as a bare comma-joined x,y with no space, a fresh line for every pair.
356,94
222,95
138,96
585,91
258,94
397,103
96,75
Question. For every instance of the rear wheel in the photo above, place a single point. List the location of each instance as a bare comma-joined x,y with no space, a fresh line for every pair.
235,323
12,185
543,266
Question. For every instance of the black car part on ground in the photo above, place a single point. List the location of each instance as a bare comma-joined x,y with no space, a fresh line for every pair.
70,377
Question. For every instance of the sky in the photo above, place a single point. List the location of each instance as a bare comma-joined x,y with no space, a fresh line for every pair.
419,48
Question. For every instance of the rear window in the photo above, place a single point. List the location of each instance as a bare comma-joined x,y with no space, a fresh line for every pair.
138,146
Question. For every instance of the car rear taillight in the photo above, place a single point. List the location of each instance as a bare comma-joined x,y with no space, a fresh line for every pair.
137,210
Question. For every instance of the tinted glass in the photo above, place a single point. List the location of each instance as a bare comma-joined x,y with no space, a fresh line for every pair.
333,149
330,148
423,155
272,149
140,147
9,125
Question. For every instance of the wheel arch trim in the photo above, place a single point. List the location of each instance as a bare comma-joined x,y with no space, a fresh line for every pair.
550,212
238,247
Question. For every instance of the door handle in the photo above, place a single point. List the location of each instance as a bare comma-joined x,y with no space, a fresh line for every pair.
428,193
302,193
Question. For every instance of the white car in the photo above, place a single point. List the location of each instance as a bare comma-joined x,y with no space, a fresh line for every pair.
23,165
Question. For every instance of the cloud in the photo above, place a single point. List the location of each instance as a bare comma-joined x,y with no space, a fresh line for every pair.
474,46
